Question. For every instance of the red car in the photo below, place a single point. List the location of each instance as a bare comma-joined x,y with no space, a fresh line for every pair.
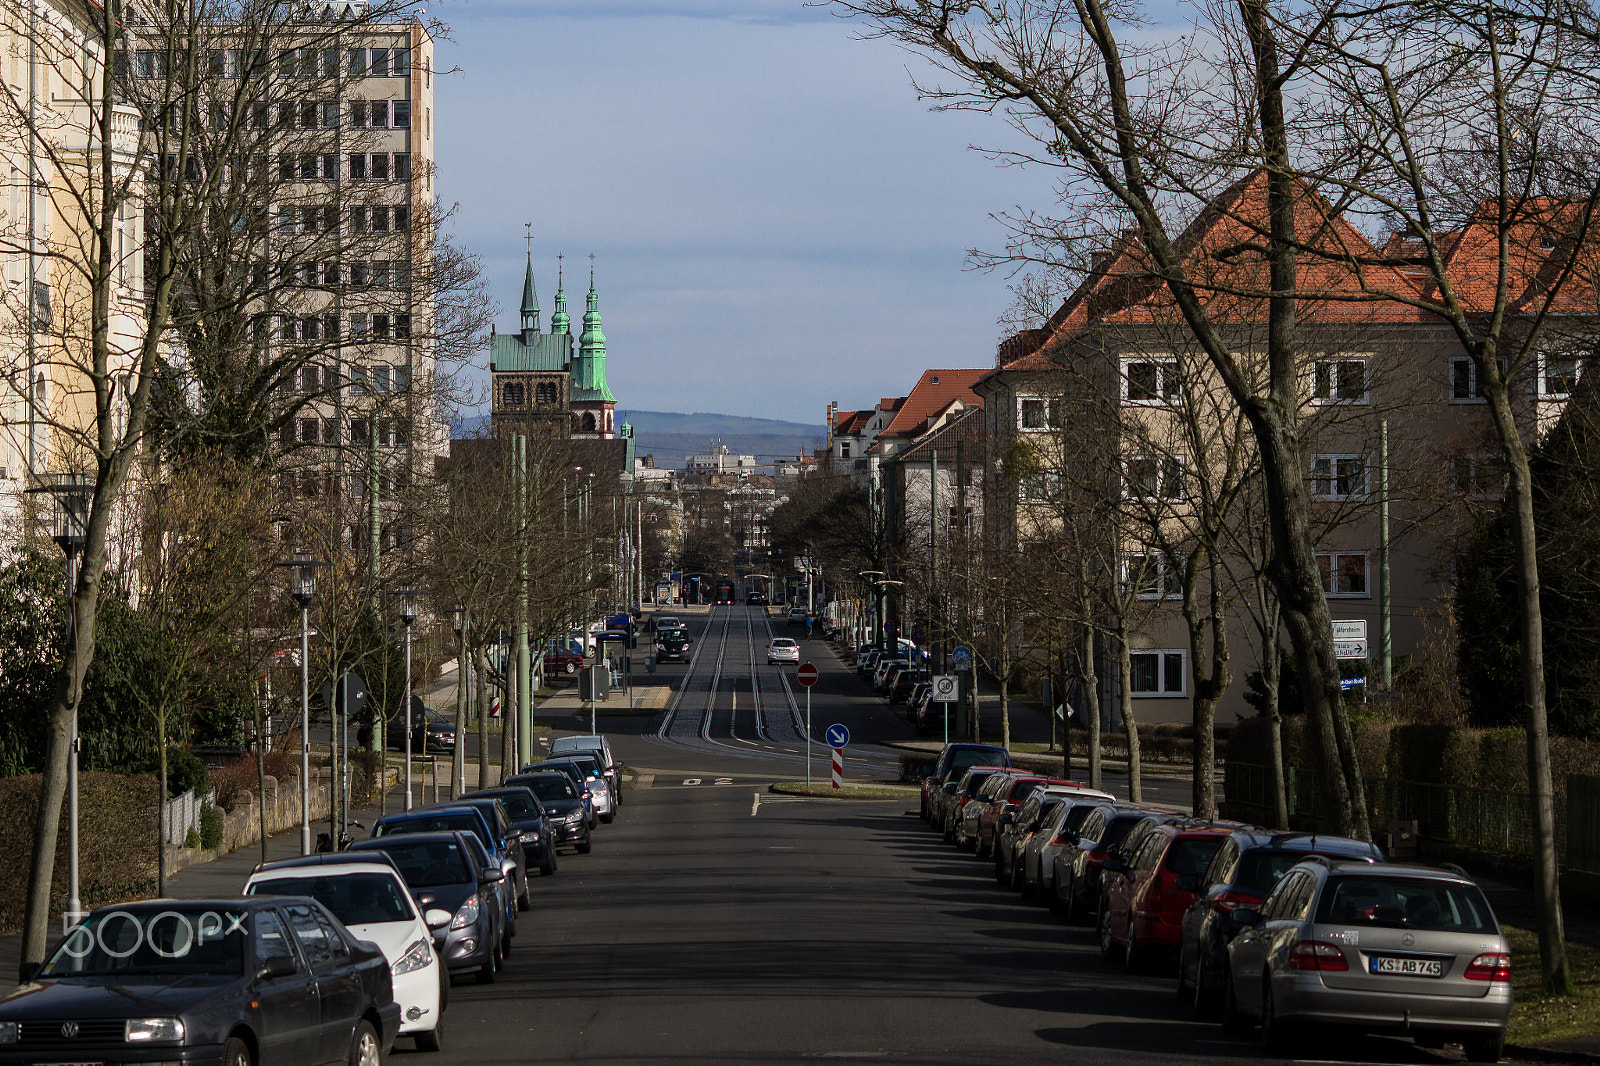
1015,794
1144,909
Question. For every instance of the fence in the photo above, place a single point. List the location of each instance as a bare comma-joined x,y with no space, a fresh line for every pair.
1499,823
183,814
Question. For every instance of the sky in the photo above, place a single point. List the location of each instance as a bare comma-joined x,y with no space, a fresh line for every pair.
776,220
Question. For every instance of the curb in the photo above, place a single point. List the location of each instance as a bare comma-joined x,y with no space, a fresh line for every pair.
1534,1053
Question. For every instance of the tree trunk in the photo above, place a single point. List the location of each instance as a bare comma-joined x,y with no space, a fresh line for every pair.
1208,687
458,760
483,719
1130,723
1091,705
1005,699
161,810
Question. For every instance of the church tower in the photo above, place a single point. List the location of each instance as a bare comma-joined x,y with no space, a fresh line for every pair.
593,406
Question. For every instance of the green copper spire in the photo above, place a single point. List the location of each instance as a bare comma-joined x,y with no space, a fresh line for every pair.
589,375
530,298
560,322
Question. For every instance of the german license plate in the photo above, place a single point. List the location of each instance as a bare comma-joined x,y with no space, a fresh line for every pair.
1407,967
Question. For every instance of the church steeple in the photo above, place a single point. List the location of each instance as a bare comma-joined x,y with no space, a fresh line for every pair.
560,321
530,298
589,376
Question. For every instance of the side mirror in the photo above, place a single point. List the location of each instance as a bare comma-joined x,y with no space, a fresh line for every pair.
437,918
1246,915
277,966
490,877
1189,882
1007,819
1113,865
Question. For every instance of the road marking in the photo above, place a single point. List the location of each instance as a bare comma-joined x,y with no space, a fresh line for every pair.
691,780
723,781
644,780
755,803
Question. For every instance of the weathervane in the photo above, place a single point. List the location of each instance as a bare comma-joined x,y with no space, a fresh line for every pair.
529,227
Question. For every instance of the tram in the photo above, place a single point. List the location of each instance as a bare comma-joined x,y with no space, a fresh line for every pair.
723,593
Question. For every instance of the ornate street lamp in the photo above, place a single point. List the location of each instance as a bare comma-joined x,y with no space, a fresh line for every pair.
70,497
408,618
302,590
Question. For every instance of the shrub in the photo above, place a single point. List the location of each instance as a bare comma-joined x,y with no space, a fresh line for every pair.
232,781
210,827
192,839
283,765
365,766
185,771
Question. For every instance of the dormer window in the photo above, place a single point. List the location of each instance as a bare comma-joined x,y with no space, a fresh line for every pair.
934,380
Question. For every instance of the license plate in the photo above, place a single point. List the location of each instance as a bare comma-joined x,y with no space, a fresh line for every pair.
1407,967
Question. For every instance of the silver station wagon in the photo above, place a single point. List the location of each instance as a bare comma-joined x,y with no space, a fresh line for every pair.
1380,948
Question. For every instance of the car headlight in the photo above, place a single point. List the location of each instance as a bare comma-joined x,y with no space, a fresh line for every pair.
530,836
575,816
152,1030
466,915
8,1033
416,957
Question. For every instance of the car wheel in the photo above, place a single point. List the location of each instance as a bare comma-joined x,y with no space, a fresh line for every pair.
608,817
583,849
1001,877
235,1052
1058,906
1185,989
523,903
1276,1035
1108,944
1025,888
486,972
570,668
1132,953
1484,1048
548,867
433,1039
364,1047
1204,999
1234,1023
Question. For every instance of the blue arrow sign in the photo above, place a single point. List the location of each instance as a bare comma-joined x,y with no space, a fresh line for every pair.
961,655
838,736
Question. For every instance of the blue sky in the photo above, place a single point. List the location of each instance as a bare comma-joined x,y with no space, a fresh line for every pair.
777,221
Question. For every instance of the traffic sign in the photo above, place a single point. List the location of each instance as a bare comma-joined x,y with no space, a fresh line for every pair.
1350,649
961,656
1350,629
838,736
806,675
944,688
1348,683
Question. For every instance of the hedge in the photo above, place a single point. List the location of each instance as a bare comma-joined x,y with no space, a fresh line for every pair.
116,845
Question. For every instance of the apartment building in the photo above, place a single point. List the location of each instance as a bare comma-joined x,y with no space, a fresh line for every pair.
1117,440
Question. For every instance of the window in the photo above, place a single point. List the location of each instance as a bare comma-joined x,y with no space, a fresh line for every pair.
358,62
1044,485
402,331
1158,673
380,330
358,273
380,274
379,219
1464,381
310,113
402,166
1339,477
1034,413
330,431
330,116
1343,573
1152,577
1150,380
309,428
379,64
402,114
358,435
1339,381
378,113
1478,476
1559,374
380,166
358,114
844,449
308,166
1152,477
512,395
358,325
400,271
402,219
400,63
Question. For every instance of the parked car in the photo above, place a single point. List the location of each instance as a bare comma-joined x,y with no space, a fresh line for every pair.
1011,798
954,801
596,745
1374,948
866,661
1147,895
783,650
589,778
563,801
1057,831
443,872
882,672
953,760
797,616
529,818
366,892
667,623
1017,830
905,681
982,801
138,982
1241,874
1077,870
467,819
505,841
603,785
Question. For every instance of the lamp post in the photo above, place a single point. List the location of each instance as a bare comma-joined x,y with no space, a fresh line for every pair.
877,605
302,590
408,617
70,496
461,622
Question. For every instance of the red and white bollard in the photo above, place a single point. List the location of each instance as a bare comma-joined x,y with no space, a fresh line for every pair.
838,768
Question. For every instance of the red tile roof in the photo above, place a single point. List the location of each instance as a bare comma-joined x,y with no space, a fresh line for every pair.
933,394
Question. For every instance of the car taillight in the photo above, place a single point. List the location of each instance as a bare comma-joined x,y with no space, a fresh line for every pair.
1233,899
1316,955
1490,966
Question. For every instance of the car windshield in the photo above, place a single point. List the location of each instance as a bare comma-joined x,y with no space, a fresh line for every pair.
1191,855
428,863
175,940
354,898
550,786
1405,903
1261,870
960,760
1078,815
1118,828
520,804
442,822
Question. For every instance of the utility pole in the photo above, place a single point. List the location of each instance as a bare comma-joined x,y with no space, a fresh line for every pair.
524,661
1385,602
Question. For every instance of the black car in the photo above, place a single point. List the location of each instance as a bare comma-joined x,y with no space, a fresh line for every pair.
432,733
508,841
672,645
563,803
528,815
242,982
441,870
1241,875
468,819
905,681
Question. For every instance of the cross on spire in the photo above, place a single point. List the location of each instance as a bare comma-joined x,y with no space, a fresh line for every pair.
529,238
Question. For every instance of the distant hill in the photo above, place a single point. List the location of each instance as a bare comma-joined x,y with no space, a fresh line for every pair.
672,437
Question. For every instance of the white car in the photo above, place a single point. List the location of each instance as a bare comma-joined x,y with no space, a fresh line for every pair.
366,893
783,650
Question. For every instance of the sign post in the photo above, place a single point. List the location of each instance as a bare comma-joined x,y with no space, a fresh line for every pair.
946,690
807,676
838,736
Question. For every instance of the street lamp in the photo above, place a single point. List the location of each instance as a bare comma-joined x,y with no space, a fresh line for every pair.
408,617
302,590
461,622
877,604
70,496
